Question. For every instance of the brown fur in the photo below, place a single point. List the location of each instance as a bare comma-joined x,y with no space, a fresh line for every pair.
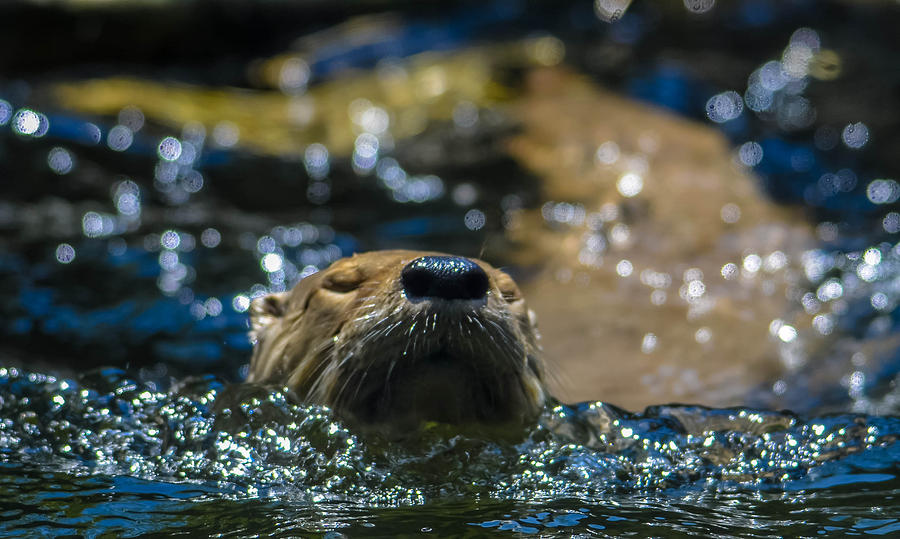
348,338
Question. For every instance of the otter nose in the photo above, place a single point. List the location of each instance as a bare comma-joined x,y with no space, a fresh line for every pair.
446,277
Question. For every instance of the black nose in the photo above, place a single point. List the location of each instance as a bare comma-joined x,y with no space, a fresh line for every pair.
446,277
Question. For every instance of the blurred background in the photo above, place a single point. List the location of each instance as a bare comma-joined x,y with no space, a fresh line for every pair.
701,197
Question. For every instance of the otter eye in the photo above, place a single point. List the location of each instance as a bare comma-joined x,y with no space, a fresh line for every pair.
510,295
508,288
342,281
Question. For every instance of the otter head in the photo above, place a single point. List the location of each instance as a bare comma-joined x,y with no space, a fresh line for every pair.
403,337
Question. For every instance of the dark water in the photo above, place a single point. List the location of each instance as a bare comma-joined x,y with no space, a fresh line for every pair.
127,262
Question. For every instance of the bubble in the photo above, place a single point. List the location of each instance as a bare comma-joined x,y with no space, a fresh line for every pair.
266,244
656,279
730,213
464,194
210,238
829,290
630,184
92,224
624,268
695,289
169,149
375,120
365,153
240,303
826,138
806,37
796,59
132,118
699,6
318,192
872,256
795,112
692,274
856,383
879,301
703,335
226,134
192,181
787,333
610,10
845,180
607,153
119,138
421,189
751,153
465,114
26,122
758,99
65,253
165,172
169,239
891,223
752,263
855,135
60,160
772,76
729,271
5,112
127,198
827,231
272,262
823,323
595,243
168,260
116,246
775,261
316,160
188,242
293,76
724,106
188,154
649,343
609,212
866,272
366,145
547,51
883,191
779,387
390,173
620,235
474,219
213,306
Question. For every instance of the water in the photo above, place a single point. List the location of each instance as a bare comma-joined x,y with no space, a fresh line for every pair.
140,216
102,453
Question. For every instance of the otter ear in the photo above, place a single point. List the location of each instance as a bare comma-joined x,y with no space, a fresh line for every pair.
265,310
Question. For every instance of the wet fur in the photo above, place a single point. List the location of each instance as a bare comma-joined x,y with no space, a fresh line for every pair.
347,337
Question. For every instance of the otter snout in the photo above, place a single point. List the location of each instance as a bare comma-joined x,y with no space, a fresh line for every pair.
445,277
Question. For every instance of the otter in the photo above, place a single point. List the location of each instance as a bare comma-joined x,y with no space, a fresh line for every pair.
403,337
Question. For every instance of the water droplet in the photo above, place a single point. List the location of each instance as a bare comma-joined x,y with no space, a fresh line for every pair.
724,106
855,135
474,219
65,253
60,161
119,138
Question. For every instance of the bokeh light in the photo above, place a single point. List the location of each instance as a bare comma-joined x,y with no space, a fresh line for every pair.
60,160
65,253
